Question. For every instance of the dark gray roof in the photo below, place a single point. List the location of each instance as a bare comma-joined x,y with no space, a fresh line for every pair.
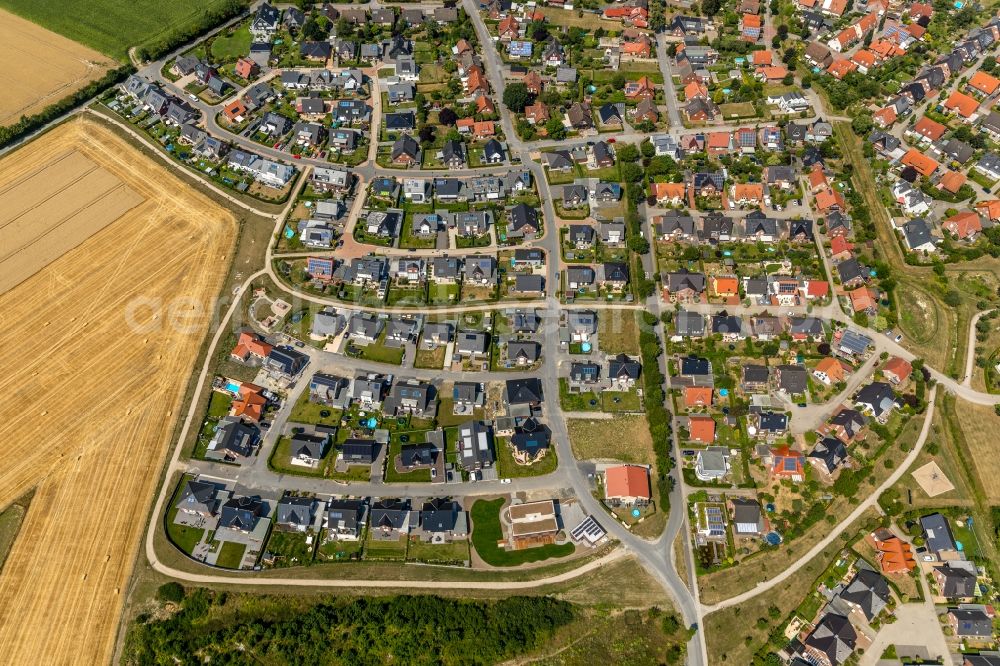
241,512
831,452
390,513
937,533
956,583
834,637
523,391
689,323
308,445
439,515
868,590
972,622
295,511
877,395
793,379
623,367
346,513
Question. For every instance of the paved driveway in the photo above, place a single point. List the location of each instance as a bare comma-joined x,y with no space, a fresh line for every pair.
916,632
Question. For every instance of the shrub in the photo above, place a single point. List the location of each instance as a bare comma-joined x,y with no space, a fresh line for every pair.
172,592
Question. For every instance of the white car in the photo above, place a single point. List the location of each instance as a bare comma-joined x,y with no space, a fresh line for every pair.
505,481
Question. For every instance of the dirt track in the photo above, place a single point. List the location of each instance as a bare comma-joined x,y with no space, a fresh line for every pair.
41,67
90,398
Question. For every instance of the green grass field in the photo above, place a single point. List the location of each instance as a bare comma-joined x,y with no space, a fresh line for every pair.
486,531
230,46
110,26
231,555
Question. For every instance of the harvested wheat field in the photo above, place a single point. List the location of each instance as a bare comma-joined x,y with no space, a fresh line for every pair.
41,67
93,377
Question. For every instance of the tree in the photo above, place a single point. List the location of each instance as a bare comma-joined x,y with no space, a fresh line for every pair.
172,592
631,172
952,299
710,7
539,31
628,153
618,81
788,79
647,148
516,97
312,30
344,28
447,117
862,123
554,128
426,134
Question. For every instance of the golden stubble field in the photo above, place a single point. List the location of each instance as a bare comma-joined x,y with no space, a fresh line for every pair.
92,379
41,67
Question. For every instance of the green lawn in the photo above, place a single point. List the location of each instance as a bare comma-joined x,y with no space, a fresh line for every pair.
385,550
282,453
312,412
231,555
617,401
508,467
486,532
377,351
233,45
443,294
112,26
185,538
218,405
417,475
290,548
339,550
456,552
577,402
446,413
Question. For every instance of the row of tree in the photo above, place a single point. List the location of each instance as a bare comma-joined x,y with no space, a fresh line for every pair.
211,627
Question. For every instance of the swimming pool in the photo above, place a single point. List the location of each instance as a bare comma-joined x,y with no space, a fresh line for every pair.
233,387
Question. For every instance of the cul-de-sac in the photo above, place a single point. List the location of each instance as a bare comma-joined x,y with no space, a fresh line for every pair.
494,332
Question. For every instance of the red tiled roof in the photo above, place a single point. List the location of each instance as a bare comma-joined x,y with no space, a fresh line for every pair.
702,429
930,129
861,299
963,224
952,181
885,116
697,396
898,367
962,104
627,481
841,68
817,288
984,83
924,165
990,208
